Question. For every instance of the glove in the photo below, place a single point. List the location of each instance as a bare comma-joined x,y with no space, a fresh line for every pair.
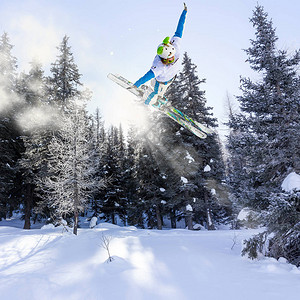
144,87
185,7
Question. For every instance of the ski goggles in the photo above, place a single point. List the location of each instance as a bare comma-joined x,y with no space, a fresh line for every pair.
168,60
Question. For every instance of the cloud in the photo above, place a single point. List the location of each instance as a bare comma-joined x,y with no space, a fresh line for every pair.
38,117
34,40
7,98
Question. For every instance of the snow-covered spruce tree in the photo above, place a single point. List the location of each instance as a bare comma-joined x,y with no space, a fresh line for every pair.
113,198
71,169
185,94
189,97
170,160
98,145
267,132
135,207
70,149
161,157
122,176
36,133
282,219
148,190
11,145
236,163
8,69
64,81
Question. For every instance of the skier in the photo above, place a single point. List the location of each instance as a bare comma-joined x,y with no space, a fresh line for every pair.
164,67
162,73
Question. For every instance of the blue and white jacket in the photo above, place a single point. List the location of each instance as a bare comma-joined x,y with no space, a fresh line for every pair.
162,72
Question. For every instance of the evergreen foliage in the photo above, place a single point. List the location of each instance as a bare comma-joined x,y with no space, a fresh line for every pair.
187,96
263,143
36,135
152,177
97,147
55,167
264,139
281,239
65,81
113,195
11,144
70,179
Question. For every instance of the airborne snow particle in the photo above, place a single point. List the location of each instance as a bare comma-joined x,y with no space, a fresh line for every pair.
207,168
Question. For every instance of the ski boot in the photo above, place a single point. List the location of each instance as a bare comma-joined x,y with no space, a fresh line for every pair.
161,102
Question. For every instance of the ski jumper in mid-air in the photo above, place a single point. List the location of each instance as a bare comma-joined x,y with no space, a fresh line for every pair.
165,66
164,69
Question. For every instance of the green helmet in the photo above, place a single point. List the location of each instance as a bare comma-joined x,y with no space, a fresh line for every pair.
166,50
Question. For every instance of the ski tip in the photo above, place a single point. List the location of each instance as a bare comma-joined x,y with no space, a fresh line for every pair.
204,128
113,75
199,133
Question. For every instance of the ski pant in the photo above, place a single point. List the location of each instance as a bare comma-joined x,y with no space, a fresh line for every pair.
156,91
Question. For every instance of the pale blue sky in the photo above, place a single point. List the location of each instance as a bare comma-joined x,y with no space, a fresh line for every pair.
121,36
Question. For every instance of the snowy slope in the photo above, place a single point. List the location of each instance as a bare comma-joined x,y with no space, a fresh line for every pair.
148,264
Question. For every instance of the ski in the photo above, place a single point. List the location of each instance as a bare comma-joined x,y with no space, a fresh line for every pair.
178,116
198,129
123,82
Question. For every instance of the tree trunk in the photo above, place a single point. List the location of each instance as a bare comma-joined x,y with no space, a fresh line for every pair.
76,192
210,225
173,219
188,214
75,222
35,218
76,205
158,218
113,219
28,206
189,221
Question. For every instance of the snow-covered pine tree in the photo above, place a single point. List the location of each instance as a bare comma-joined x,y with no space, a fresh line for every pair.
268,127
71,170
112,195
36,134
149,177
171,199
64,81
283,223
157,155
8,68
268,134
70,150
11,145
115,203
135,207
190,98
236,165
185,94
98,148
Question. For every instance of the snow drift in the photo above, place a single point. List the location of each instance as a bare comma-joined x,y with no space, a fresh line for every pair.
147,264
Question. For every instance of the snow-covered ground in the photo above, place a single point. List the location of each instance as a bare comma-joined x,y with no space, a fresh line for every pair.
148,264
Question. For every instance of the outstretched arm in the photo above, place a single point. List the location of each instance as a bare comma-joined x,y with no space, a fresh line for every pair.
181,22
148,76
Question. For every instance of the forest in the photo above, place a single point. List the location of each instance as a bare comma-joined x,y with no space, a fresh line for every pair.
60,162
